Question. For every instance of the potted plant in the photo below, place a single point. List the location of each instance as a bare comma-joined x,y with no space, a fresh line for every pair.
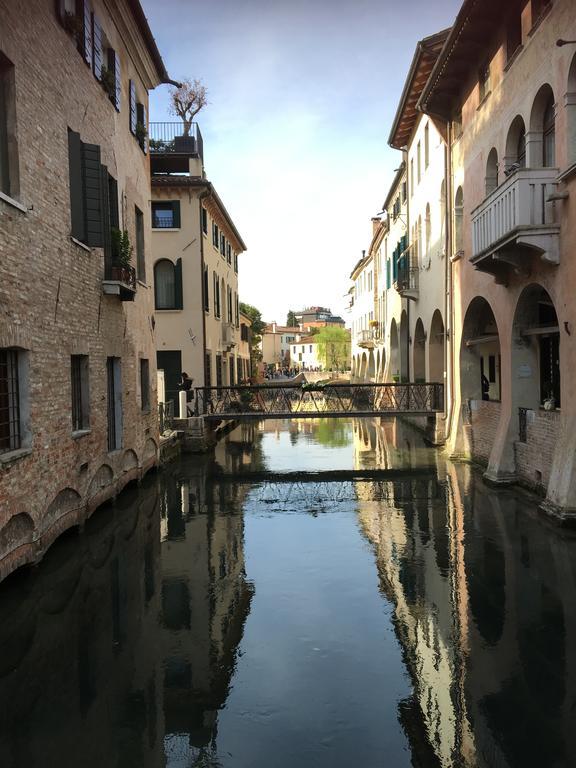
141,133
121,256
108,82
72,24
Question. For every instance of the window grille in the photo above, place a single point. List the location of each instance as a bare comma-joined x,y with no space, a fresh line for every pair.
10,430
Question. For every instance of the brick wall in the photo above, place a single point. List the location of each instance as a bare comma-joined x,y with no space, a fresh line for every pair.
51,299
534,457
484,419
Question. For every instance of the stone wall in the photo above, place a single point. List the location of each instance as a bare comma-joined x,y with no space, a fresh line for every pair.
484,419
51,300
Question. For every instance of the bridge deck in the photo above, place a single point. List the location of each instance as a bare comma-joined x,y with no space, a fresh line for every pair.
311,401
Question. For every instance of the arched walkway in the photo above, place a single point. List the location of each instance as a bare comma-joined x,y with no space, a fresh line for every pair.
404,360
371,366
436,348
480,353
570,101
394,370
419,352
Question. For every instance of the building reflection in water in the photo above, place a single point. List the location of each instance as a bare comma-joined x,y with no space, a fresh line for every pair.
485,609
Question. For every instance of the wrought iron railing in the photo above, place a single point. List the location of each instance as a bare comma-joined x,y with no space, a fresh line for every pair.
120,273
310,401
173,137
407,275
165,416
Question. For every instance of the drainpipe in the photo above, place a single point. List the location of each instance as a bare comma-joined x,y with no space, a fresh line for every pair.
408,192
448,292
201,197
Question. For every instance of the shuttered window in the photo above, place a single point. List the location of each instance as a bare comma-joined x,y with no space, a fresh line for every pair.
114,69
132,106
85,42
140,252
166,214
144,384
142,127
206,290
208,369
79,372
97,48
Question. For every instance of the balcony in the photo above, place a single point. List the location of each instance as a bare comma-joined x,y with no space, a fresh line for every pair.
171,147
228,335
515,222
366,339
406,282
119,280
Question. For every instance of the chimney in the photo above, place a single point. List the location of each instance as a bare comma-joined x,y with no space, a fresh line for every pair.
376,224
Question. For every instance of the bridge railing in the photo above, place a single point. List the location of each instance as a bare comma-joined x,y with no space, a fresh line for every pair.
314,400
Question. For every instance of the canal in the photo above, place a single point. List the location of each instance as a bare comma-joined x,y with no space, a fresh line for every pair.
247,611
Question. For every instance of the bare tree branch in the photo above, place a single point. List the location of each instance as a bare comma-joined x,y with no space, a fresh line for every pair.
187,101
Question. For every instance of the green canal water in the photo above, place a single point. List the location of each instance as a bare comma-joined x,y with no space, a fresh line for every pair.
246,611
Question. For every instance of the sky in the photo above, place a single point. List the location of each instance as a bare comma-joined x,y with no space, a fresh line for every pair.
302,94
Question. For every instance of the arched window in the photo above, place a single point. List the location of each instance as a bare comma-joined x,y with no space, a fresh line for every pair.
549,137
515,156
492,171
164,285
458,220
521,148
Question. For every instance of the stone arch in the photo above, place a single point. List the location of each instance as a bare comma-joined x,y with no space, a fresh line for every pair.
150,449
404,346
363,366
480,352
129,460
394,371
381,372
541,139
19,530
515,156
419,352
102,478
353,366
164,284
66,502
491,180
377,373
436,341
570,101
371,365
535,352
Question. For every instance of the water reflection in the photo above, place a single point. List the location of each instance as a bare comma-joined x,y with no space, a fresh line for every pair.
195,623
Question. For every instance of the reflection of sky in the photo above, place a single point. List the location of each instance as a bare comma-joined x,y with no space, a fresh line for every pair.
307,454
320,672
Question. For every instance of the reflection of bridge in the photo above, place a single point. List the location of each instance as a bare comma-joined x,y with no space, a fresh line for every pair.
339,400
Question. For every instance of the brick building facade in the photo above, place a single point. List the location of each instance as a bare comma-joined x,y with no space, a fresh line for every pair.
77,359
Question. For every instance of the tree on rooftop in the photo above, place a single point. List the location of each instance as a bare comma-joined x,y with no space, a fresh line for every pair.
187,100
291,321
333,347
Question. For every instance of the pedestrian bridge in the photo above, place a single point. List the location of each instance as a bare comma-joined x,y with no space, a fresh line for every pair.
337,400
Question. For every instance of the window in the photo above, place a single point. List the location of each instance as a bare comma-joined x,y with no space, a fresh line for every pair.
10,401
206,290
166,214
8,156
168,284
114,402
310,347
216,284
411,176
244,332
218,370
88,179
228,253
484,81
144,384
204,221
403,191
521,148
239,370
222,244
79,370
236,263
418,163
549,137
140,255
458,220
208,369
426,145
142,127
538,8
229,307
215,235
237,310
513,33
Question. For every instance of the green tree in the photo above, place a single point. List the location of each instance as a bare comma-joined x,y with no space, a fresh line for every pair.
334,347
291,321
256,330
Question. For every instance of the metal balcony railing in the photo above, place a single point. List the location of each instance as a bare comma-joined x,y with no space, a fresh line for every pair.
119,279
520,202
173,138
366,338
407,276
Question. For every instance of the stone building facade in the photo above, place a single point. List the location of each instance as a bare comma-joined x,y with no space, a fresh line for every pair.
77,362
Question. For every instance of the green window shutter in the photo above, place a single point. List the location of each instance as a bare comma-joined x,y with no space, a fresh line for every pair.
92,195
105,207
76,186
113,202
142,119
176,214
132,105
97,51
114,67
178,303
86,16
388,283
